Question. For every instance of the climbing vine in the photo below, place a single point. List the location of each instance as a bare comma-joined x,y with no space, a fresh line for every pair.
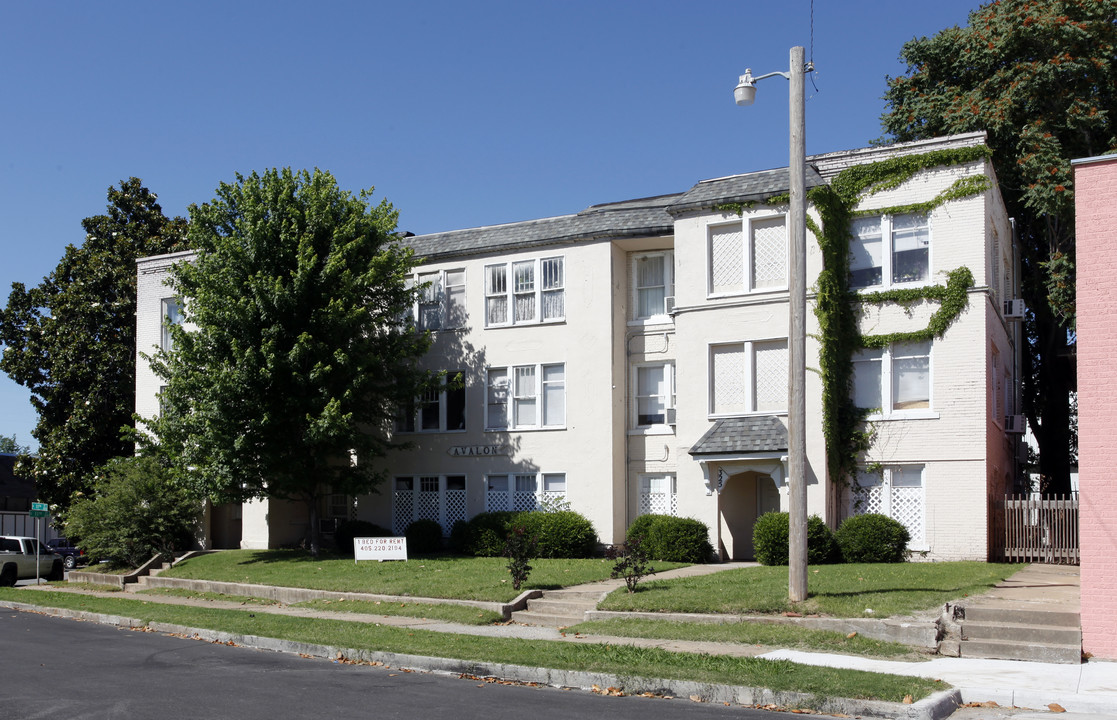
837,306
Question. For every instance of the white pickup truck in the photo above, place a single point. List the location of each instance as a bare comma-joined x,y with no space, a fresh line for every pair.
17,560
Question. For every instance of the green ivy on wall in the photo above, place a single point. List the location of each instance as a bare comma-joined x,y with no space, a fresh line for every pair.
837,306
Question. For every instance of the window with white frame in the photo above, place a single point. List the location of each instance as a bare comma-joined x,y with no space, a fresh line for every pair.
887,250
653,285
524,491
657,495
748,256
172,315
896,380
441,304
748,377
654,394
525,291
525,397
441,498
437,410
895,491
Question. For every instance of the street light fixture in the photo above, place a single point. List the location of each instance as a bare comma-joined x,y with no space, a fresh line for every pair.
745,94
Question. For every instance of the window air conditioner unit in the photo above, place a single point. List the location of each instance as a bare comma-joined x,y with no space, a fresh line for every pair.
1014,309
668,304
1015,423
670,416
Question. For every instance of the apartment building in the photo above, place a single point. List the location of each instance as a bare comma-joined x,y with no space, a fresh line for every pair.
632,358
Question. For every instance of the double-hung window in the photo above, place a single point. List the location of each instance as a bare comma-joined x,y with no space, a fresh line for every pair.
441,304
525,291
653,285
525,397
748,256
748,377
888,250
437,410
655,395
895,491
895,380
524,491
172,315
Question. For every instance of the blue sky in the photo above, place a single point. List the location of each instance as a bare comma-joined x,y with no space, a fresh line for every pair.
459,113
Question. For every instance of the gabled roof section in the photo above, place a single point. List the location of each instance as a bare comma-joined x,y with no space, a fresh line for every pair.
645,217
750,187
743,435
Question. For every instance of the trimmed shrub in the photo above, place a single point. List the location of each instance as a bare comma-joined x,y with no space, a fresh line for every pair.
641,526
873,538
346,531
485,534
672,539
771,539
563,534
423,537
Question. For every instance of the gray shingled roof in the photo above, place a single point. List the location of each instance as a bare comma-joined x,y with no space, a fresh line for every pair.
740,188
646,217
753,434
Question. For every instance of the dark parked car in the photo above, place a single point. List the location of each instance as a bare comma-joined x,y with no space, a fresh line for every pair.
71,555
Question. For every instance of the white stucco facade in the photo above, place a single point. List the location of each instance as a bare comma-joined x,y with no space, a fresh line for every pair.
632,358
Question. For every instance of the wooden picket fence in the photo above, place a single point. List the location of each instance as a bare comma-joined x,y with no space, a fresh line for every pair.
1028,528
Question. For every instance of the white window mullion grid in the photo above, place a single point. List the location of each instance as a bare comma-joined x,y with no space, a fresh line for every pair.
524,397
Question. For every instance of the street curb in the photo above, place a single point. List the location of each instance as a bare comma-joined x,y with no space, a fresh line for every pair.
935,707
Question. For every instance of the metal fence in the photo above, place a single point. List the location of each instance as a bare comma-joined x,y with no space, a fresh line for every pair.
1030,528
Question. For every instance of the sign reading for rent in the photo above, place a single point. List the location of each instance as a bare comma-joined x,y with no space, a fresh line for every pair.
380,548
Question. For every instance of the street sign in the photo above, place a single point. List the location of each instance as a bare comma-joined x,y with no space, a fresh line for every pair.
39,510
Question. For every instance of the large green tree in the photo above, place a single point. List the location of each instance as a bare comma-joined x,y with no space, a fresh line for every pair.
10,444
298,354
1039,77
71,341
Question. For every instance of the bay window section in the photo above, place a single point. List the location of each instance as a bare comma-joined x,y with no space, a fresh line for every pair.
653,284
888,250
535,294
437,410
894,381
525,397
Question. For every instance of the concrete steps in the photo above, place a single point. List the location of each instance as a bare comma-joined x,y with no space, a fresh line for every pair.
559,608
141,581
1009,632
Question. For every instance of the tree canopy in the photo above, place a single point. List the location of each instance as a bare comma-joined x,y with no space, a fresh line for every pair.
1039,77
71,341
297,354
10,444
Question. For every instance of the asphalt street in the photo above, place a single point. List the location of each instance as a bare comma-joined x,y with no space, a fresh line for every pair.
58,668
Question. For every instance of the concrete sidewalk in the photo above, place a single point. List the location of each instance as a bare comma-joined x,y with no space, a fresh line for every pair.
1089,689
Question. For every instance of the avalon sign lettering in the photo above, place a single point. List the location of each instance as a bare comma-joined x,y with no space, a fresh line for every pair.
478,450
379,548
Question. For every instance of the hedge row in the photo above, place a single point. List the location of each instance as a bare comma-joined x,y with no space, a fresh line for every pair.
869,538
564,534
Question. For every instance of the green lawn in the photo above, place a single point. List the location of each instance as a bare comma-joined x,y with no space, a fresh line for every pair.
853,590
750,633
465,578
616,659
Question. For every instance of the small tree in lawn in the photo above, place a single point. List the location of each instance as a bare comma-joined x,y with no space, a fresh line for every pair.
519,548
298,354
134,512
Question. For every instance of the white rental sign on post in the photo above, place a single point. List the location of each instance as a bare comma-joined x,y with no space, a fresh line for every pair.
379,548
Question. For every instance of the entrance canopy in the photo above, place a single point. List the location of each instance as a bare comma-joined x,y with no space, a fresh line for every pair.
740,444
